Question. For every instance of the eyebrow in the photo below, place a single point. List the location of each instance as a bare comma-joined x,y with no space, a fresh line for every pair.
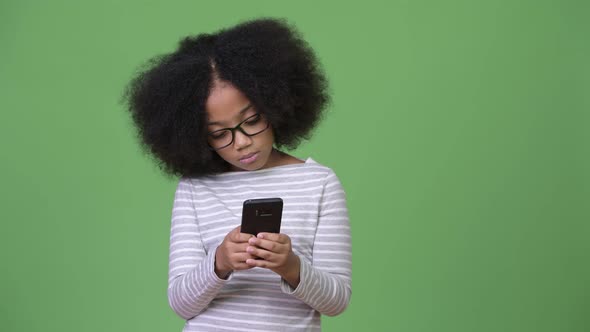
241,112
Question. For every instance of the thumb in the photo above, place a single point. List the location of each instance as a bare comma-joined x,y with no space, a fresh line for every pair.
234,234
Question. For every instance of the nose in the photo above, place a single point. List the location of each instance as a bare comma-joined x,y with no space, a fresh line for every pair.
241,140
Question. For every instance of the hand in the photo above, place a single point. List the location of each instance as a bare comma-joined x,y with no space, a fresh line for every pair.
231,253
276,255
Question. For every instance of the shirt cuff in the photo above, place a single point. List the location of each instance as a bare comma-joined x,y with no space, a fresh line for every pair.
210,269
304,275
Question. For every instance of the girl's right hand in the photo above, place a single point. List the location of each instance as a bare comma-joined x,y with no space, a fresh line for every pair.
231,254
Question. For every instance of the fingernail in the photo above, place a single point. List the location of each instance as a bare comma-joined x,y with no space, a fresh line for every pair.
252,240
249,249
260,236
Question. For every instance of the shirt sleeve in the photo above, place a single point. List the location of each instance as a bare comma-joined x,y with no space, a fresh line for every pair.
325,282
192,282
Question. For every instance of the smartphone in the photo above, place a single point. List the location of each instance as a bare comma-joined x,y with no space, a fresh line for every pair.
262,215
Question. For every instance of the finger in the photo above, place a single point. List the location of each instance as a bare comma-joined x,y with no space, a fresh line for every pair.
239,247
257,252
243,266
260,263
241,257
233,234
243,237
267,244
276,237
240,237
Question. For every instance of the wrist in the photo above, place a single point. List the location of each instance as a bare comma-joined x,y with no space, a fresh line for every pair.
218,268
292,271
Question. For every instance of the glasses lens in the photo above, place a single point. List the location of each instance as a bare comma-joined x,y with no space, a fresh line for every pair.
254,125
220,138
251,126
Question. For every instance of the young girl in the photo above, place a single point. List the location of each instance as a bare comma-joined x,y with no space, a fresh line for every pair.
215,113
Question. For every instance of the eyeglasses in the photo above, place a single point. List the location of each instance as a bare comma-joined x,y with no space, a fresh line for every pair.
251,126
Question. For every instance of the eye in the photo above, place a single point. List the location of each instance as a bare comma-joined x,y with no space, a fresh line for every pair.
218,134
254,119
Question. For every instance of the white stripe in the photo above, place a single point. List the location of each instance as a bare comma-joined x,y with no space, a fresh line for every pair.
241,312
208,239
290,197
333,184
294,228
184,200
333,219
217,327
322,235
177,242
185,225
331,252
253,289
177,251
307,173
255,322
183,258
212,214
182,217
175,235
345,261
340,201
225,229
323,212
345,270
278,192
267,298
236,220
216,221
262,306
337,244
266,184
336,227
181,267
238,207
182,209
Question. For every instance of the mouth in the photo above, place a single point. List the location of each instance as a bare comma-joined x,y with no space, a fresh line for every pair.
249,158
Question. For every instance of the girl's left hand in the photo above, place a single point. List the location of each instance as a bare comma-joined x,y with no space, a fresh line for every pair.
276,255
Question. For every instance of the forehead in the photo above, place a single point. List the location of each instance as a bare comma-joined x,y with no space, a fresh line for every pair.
224,102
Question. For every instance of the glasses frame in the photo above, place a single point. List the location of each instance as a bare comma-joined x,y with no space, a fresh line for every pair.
238,127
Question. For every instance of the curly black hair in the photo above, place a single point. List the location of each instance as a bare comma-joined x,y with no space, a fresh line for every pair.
266,59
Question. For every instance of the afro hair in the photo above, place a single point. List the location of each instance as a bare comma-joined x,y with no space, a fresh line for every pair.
266,59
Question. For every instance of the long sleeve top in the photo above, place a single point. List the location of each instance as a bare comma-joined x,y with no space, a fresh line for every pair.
315,217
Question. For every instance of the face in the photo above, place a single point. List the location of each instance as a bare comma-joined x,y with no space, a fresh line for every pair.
226,107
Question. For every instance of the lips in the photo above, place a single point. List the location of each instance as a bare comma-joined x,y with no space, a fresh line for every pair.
249,158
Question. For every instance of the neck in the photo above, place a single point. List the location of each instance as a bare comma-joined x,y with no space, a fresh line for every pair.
275,158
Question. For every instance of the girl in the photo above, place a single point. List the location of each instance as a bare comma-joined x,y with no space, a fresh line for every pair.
216,113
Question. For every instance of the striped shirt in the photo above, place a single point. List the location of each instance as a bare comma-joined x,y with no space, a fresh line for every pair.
315,217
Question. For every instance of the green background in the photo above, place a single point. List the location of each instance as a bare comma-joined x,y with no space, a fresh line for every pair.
459,130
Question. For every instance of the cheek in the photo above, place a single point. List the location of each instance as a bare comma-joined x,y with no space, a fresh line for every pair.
224,154
270,135
267,140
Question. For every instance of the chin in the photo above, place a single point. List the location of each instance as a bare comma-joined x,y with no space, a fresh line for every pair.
260,163
254,167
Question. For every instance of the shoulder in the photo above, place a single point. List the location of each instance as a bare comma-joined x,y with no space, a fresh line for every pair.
319,165
307,169
320,170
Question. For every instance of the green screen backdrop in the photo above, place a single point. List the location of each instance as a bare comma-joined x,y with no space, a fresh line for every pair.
459,129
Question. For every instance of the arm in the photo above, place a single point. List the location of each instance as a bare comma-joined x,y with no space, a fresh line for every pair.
192,281
325,283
